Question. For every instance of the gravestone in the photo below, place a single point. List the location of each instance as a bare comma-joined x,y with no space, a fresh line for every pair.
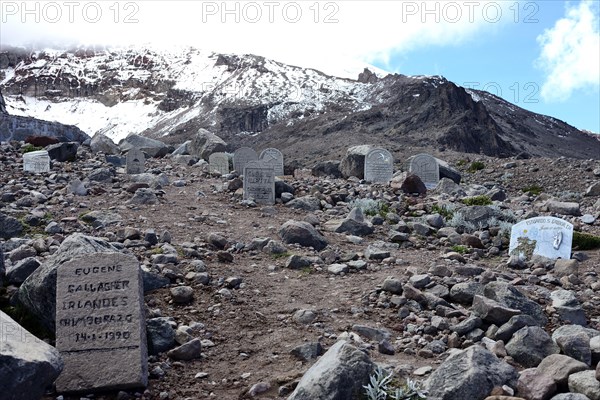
274,158
547,236
426,168
219,162
36,161
241,157
100,327
379,166
259,182
135,161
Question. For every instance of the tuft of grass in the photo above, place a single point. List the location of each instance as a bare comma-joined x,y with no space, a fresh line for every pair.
585,241
28,148
533,190
277,256
442,210
157,250
477,201
476,166
460,249
462,162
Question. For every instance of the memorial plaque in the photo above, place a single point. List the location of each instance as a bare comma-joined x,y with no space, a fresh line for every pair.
219,162
426,168
36,161
379,166
100,327
241,157
547,236
274,158
135,161
259,182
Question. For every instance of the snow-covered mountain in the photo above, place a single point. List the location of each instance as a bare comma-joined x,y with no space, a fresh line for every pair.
247,99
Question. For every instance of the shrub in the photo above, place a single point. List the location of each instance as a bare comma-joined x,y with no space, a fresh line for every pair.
371,207
533,190
477,201
460,249
444,210
476,166
585,241
382,386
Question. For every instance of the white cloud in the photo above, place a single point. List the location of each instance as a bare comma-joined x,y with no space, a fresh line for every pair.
321,34
571,52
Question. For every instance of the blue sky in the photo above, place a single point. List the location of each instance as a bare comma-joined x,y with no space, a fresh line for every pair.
541,55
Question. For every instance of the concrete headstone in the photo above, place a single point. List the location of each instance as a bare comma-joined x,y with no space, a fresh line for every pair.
219,162
241,157
274,158
135,161
426,168
259,182
36,161
100,327
546,236
379,166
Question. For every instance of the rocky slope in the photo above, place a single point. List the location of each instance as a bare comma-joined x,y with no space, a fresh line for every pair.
255,101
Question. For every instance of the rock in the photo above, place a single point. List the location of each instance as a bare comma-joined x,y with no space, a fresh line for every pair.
259,388
469,374
187,351
327,168
568,308
182,294
355,224
144,196
576,346
153,181
491,311
183,149
593,189
447,186
53,228
161,336
306,203
104,144
19,272
375,253
509,296
62,152
419,281
435,220
297,262
564,208
585,382
464,292
307,351
559,367
515,323
392,285
338,269
339,374
206,143
530,345
304,317
9,227
353,163
447,172
152,147
570,396
466,326
479,216
374,334
27,365
41,141
101,219
101,175
302,233
77,188
534,385
412,184
571,330
38,292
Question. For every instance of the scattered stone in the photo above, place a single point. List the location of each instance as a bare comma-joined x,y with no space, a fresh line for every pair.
62,152
585,382
182,294
9,227
559,367
302,233
307,351
161,336
534,385
491,311
563,208
576,346
530,345
187,351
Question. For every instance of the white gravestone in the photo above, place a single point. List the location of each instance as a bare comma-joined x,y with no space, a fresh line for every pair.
36,161
426,168
259,182
100,327
241,157
274,158
219,162
135,161
379,166
547,236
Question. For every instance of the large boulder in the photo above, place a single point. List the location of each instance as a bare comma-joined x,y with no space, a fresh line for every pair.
446,171
339,374
27,365
302,233
63,152
327,168
353,163
509,296
206,143
152,147
530,345
38,292
104,144
470,374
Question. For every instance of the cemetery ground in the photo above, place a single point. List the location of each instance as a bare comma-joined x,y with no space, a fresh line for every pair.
251,310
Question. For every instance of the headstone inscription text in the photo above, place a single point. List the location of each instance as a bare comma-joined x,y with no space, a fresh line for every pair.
547,236
36,161
426,168
259,182
274,158
379,166
241,157
219,162
135,161
100,327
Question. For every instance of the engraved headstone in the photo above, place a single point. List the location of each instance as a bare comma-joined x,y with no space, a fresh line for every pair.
100,327
241,157
379,166
36,161
135,161
547,236
274,158
426,168
219,162
259,182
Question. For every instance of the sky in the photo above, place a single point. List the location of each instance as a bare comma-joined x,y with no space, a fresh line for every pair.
543,56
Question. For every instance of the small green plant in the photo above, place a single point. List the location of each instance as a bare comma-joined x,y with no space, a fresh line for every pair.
585,241
477,201
462,162
157,250
28,148
277,256
460,249
533,190
371,207
382,386
476,166
443,210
